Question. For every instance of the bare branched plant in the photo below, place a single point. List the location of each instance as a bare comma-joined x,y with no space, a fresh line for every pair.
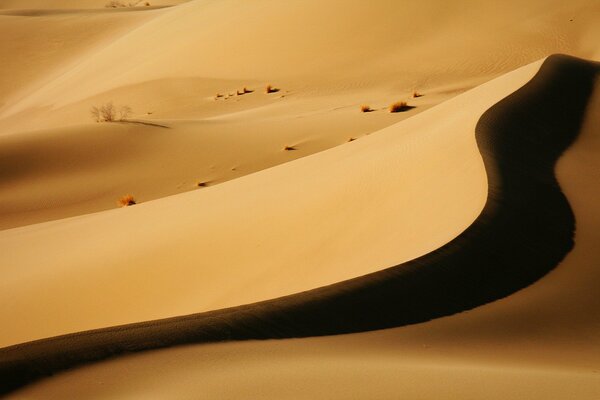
109,113
124,112
95,111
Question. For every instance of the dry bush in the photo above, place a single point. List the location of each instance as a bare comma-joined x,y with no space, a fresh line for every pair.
289,148
95,111
126,201
109,113
365,108
398,107
124,112
270,89
416,94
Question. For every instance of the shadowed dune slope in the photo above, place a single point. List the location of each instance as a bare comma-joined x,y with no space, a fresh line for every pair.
525,229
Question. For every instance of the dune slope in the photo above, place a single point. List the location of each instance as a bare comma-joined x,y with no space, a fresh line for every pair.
407,190
166,65
466,272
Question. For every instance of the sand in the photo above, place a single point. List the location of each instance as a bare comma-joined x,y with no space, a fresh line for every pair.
410,184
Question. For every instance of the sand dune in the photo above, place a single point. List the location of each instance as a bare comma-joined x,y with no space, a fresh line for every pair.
166,65
426,168
469,271
439,209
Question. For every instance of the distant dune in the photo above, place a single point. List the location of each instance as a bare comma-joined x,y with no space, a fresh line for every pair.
447,250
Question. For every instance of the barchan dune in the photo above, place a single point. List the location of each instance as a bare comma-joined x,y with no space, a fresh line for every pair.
453,243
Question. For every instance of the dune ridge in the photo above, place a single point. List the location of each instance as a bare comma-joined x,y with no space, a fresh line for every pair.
520,139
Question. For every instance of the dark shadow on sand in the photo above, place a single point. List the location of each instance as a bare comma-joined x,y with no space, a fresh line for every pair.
525,229
137,121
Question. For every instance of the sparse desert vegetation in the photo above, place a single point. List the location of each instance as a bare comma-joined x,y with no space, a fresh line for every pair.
271,89
202,183
289,148
416,94
398,106
109,113
365,108
127,200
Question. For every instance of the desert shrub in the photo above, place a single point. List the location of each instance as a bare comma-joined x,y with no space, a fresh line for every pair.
270,89
109,113
365,108
95,111
398,107
416,94
289,148
124,112
126,201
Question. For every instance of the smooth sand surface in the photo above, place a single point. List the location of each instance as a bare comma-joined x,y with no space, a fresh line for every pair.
425,169
412,182
537,343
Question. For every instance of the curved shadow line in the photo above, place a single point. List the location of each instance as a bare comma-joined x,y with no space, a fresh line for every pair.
525,229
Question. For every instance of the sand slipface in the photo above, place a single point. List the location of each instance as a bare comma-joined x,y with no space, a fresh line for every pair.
471,270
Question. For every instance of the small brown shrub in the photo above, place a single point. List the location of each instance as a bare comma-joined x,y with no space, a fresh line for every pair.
365,108
289,148
398,107
126,201
271,89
